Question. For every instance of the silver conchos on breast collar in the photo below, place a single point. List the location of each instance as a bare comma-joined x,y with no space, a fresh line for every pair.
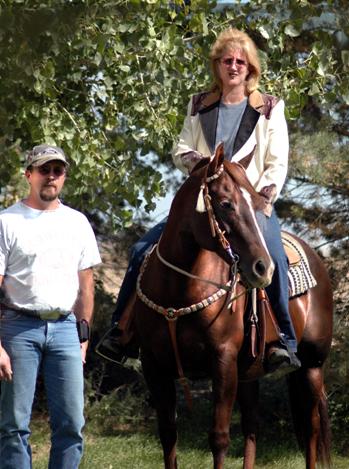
172,314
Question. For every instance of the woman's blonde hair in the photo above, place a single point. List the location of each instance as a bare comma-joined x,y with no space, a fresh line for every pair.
230,40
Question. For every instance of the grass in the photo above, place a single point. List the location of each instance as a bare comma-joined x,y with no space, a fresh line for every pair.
142,450
121,433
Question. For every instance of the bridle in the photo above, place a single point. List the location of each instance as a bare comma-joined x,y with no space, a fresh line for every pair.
215,228
172,314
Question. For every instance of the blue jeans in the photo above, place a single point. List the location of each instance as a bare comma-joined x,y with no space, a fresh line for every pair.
137,255
52,346
277,291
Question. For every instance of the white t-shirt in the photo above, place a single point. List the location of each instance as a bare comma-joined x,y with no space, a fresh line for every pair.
41,252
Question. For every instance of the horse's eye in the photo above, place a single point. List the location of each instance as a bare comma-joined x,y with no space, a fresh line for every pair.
227,205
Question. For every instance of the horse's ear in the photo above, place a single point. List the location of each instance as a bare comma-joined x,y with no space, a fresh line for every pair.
218,158
246,160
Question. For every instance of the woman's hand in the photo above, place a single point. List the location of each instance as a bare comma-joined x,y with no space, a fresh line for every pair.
269,194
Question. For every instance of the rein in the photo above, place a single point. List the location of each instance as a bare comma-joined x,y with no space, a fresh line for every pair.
226,287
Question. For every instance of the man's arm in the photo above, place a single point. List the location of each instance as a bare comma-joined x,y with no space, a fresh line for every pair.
83,307
5,363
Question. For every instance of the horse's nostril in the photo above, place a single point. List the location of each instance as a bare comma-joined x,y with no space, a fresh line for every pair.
259,268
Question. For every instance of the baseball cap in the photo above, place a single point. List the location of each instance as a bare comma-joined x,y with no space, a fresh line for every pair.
44,153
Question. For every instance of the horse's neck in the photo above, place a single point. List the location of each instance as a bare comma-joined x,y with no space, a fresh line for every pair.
179,249
209,265
185,254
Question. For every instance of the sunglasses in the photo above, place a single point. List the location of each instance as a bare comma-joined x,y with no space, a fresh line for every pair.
47,170
229,62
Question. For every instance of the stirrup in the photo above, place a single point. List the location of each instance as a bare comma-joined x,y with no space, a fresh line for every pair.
109,349
281,361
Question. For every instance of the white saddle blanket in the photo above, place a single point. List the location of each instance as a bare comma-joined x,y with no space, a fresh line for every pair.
300,278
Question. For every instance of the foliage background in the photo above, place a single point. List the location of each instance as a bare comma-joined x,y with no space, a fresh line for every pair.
109,81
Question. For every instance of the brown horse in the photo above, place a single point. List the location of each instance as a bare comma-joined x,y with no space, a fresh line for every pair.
191,280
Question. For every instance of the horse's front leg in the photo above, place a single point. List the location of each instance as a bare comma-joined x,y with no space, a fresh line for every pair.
163,393
248,401
166,413
224,386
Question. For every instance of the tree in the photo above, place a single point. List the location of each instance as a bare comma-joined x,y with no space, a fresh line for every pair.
109,82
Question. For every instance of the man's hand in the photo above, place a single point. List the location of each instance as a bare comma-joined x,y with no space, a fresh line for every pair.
5,366
83,348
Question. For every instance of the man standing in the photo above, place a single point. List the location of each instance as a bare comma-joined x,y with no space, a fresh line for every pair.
47,251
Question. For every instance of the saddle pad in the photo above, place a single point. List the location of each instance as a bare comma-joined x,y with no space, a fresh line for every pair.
300,278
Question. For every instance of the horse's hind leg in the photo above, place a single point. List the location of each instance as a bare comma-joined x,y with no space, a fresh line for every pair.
248,393
163,393
310,415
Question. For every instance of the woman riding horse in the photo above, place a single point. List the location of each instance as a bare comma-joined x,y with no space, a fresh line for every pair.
248,122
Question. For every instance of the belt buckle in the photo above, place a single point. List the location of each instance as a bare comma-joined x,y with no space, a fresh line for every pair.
54,314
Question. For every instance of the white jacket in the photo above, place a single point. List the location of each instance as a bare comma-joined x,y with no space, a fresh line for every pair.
263,130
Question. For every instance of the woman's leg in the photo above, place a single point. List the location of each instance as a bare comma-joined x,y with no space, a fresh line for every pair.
115,345
278,289
138,253
277,292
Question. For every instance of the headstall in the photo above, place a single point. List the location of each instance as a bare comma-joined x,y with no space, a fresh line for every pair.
172,314
204,205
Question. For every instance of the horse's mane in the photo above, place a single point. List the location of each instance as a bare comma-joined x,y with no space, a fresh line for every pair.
238,173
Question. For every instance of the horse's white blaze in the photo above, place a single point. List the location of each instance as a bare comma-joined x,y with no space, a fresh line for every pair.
247,197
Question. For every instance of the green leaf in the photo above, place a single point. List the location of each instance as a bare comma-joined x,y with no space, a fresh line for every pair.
292,31
314,90
321,70
124,68
264,32
345,97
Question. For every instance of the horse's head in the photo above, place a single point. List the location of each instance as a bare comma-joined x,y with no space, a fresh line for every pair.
227,203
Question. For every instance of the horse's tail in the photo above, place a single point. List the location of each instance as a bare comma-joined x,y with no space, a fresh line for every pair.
301,401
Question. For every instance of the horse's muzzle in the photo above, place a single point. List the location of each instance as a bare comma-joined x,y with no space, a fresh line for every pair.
261,274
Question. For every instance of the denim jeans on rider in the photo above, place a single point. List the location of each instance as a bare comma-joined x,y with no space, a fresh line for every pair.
277,291
137,255
53,347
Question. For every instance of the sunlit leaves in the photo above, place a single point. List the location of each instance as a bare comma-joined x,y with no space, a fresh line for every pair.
110,81
292,31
